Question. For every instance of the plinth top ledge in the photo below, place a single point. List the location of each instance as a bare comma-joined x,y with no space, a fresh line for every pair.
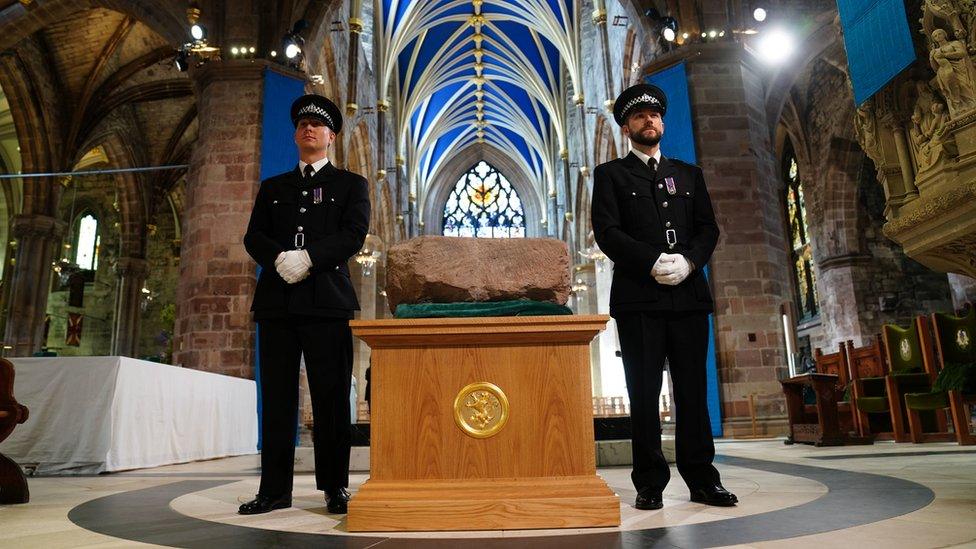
479,330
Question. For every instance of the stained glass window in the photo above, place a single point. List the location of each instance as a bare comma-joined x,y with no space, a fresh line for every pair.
86,247
484,204
802,257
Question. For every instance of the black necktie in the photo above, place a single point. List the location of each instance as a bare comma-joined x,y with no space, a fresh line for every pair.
652,164
309,171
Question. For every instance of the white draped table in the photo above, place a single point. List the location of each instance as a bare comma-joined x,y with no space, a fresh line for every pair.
108,413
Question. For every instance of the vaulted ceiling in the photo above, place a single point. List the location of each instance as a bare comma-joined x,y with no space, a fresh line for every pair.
464,72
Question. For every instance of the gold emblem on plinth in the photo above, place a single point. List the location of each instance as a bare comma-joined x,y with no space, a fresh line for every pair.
481,409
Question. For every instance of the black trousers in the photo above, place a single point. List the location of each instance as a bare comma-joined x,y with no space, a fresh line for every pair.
646,340
327,346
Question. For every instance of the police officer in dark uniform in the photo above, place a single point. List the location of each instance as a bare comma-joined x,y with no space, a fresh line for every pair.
305,226
652,216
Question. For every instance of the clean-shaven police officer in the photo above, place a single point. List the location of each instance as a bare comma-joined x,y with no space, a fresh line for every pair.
305,226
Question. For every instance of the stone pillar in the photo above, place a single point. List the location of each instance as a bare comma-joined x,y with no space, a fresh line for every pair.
611,371
750,267
214,331
38,239
845,283
600,20
963,290
366,292
131,273
587,303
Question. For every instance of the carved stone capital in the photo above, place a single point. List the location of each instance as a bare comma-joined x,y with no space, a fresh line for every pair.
28,225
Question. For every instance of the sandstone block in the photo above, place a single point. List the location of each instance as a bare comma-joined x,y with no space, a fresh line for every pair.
441,269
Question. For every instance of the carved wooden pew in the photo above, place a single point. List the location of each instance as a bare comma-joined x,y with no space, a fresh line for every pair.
831,421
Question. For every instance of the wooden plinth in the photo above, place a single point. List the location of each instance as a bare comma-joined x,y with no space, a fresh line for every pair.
538,471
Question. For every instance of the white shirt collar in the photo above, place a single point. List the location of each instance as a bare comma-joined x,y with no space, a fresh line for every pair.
644,158
316,166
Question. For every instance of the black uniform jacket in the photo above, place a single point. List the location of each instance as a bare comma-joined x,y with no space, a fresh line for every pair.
632,216
332,212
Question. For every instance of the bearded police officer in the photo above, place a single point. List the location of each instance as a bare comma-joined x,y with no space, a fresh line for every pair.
652,216
305,226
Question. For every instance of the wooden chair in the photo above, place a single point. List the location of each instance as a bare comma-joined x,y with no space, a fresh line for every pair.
955,341
869,372
13,484
830,421
910,356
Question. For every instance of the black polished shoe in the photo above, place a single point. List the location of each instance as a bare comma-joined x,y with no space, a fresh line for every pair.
336,501
264,504
648,500
714,495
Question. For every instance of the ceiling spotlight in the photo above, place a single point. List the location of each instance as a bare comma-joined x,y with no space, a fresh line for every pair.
198,32
669,28
685,36
274,53
234,50
759,14
775,46
251,49
181,62
721,33
292,43
292,50
712,33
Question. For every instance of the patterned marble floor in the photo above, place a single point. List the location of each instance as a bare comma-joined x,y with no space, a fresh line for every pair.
886,495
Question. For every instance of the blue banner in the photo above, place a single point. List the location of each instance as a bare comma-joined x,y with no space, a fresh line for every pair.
679,135
679,142
278,155
878,43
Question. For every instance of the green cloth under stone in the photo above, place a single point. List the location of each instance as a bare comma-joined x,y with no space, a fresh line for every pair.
521,307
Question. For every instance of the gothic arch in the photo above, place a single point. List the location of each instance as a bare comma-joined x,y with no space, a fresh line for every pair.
439,190
28,88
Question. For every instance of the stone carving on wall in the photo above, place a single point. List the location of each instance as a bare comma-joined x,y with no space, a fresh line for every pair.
954,73
929,114
928,124
866,126
958,16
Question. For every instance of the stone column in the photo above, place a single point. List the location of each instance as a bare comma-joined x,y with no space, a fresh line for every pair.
586,302
600,20
845,283
963,289
365,285
750,268
612,381
38,238
214,331
131,273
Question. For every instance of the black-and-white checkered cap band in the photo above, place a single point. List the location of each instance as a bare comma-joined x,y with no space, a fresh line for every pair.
642,99
316,110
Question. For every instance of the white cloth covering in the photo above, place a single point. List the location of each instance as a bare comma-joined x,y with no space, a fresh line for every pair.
98,414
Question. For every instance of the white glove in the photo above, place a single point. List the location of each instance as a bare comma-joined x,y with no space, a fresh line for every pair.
662,261
293,265
674,269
